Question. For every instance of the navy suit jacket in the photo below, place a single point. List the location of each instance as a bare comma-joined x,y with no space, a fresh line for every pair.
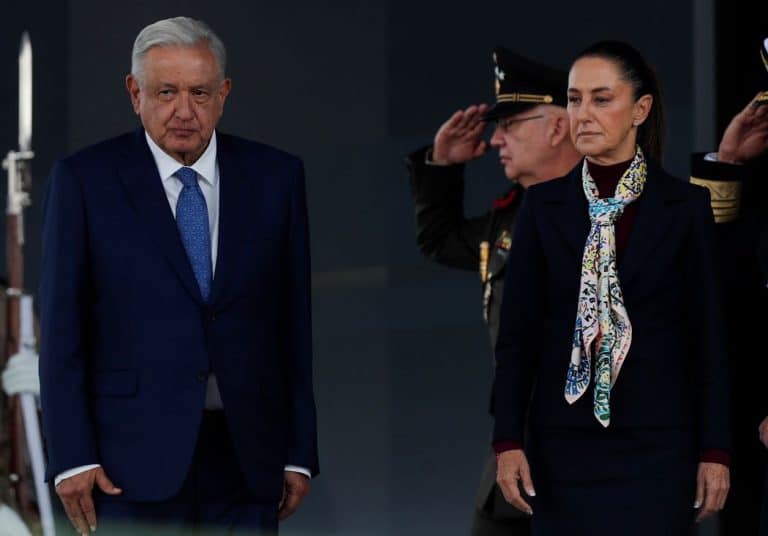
127,341
675,373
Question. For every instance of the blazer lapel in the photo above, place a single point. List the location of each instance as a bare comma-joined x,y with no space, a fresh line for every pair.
235,218
654,215
570,213
142,183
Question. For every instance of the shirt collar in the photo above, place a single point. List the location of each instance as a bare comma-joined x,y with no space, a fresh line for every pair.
167,166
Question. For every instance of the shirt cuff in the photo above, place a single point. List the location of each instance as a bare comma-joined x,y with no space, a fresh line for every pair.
428,159
716,456
713,157
74,471
296,469
503,446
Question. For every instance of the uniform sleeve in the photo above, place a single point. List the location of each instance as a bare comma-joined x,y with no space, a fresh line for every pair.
443,234
738,193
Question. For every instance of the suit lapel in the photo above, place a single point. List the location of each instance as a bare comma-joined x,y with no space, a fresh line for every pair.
235,213
655,212
569,212
142,183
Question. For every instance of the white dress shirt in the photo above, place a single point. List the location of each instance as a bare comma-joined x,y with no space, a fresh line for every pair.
207,169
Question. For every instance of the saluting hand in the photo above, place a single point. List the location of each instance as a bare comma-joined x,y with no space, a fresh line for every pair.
75,495
459,139
712,484
512,469
746,136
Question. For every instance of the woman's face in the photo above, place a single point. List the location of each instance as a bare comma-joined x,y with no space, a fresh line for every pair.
603,113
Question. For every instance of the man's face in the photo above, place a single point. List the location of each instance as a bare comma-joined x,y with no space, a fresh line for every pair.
181,99
522,144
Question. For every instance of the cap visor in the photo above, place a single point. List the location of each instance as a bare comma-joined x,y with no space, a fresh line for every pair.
504,109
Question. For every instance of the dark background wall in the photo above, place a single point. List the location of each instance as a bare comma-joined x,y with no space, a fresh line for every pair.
403,365
50,46
741,26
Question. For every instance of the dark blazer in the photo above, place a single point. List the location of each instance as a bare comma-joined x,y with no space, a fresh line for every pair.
675,373
127,341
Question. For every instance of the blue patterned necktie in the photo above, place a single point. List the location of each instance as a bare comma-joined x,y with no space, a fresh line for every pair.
192,220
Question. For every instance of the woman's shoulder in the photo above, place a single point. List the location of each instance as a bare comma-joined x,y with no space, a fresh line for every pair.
675,186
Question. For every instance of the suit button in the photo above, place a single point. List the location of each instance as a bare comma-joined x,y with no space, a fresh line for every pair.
202,376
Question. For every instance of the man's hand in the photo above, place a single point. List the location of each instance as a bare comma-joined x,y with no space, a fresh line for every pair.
746,137
295,487
75,495
763,430
511,468
712,485
458,139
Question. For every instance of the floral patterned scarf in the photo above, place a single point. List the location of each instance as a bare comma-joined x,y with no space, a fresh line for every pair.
601,318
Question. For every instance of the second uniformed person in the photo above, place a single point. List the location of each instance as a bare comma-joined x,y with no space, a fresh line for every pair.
533,144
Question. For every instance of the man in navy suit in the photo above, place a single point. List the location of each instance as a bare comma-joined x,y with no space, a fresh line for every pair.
175,364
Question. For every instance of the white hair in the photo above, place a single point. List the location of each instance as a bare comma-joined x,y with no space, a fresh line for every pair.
178,31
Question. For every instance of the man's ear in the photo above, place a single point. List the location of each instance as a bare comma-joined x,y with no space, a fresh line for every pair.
558,129
224,89
134,90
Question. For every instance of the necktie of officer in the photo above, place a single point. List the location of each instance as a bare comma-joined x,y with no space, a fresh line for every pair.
192,221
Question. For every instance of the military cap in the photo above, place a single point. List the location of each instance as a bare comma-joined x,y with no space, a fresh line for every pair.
522,84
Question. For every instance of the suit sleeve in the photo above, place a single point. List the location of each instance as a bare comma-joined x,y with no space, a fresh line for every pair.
443,234
707,327
63,296
518,325
302,436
